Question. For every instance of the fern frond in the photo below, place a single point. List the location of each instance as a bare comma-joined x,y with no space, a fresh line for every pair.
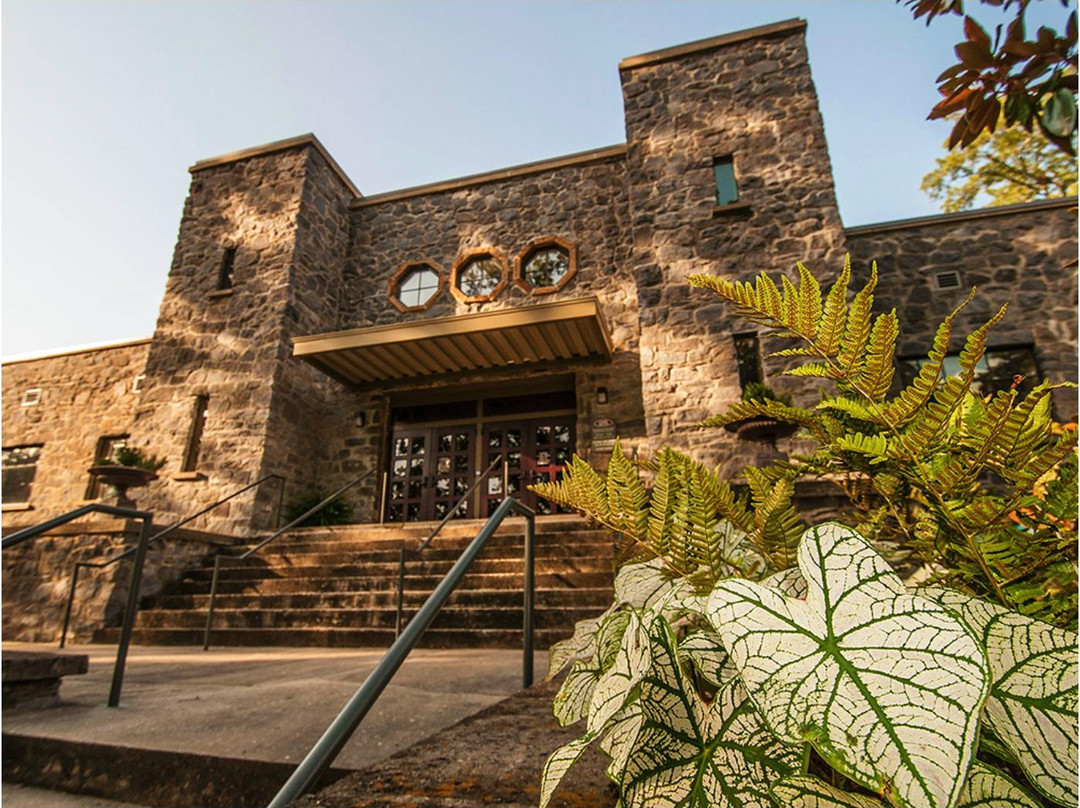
857,330
850,405
628,502
791,305
904,407
831,328
818,370
809,303
793,352
876,371
660,503
875,447
582,489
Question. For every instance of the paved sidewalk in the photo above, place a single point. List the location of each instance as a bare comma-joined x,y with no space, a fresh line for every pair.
268,704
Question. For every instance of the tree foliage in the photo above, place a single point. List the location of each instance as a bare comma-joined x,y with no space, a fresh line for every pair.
1010,78
1008,166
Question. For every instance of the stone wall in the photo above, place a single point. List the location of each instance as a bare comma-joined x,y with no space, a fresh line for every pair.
748,95
85,395
1024,255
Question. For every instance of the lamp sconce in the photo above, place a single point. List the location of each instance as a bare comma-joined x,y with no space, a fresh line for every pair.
601,395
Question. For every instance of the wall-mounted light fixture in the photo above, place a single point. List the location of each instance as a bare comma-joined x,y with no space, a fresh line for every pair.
601,395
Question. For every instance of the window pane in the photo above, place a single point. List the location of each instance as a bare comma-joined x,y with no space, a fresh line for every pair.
748,355
546,267
724,174
19,468
418,287
480,277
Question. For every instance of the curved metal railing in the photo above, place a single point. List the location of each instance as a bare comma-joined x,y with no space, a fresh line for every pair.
324,752
120,556
251,551
147,520
423,545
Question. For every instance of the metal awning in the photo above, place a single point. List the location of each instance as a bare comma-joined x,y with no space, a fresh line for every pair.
570,329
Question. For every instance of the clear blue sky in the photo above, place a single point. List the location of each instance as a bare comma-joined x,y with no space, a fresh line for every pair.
106,104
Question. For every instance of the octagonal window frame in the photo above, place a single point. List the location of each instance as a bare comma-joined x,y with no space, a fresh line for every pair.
535,246
468,257
398,278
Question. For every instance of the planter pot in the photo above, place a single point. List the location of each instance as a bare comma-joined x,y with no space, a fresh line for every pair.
122,478
762,429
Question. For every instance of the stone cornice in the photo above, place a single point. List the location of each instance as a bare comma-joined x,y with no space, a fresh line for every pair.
678,51
961,216
513,172
279,145
76,349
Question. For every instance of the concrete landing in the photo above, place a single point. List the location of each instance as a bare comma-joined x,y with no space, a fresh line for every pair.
259,705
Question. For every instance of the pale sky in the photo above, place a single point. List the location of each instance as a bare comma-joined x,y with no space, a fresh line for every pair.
106,104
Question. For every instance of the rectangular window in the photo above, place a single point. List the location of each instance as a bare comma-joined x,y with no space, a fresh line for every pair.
997,370
31,396
106,450
727,192
225,273
19,467
194,442
748,355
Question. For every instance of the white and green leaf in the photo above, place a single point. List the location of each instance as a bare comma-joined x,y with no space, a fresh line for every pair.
618,742
1032,708
886,685
579,646
985,787
704,651
574,698
559,763
688,753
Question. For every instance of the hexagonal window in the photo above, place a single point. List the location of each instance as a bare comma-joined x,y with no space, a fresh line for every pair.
478,276
545,266
415,286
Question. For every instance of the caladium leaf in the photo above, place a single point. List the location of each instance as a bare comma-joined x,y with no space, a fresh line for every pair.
620,737
886,685
688,753
789,581
575,696
608,685
579,646
704,651
1032,707
985,787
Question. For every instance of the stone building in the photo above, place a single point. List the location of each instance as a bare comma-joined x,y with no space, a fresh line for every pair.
526,313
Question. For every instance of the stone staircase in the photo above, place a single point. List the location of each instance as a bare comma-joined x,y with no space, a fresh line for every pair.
338,587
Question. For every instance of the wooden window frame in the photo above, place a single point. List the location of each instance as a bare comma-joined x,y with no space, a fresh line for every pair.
534,246
462,263
22,504
403,272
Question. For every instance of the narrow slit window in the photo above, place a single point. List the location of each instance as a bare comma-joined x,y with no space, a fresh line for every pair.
194,443
225,273
727,192
748,355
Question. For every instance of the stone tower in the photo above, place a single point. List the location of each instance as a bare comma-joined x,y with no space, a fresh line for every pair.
745,101
258,261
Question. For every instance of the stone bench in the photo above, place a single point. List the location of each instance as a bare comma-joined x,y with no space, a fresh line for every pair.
31,679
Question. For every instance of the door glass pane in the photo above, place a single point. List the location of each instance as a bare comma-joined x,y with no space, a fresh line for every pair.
461,441
543,458
397,490
513,460
416,467
393,513
562,456
461,485
461,464
494,486
441,509
443,465
495,438
418,446
416,489
399,467
442,486
401,446
446,442
562,434
413,512
513,438
543,434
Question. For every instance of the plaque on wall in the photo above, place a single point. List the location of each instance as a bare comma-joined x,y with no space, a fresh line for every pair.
603,434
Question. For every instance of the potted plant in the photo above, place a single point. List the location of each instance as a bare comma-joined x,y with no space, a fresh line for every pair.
762,428
129,467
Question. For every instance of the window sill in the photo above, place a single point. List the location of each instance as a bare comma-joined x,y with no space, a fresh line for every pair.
221,293
17,506
188,476
734,207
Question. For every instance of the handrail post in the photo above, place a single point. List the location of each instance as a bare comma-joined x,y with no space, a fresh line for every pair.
506,480
280,501
529,596
210,607
400,592
70,603
129,613
382,501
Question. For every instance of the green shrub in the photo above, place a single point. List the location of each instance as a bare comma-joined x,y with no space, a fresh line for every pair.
749,661
133,457
337,511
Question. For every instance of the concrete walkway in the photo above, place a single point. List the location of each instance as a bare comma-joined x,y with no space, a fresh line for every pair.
267,704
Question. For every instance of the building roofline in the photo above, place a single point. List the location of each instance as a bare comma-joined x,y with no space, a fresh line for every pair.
961,216
279,145
74,349
678,51
522,170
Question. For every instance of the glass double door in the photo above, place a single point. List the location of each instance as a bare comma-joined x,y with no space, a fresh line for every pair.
432,467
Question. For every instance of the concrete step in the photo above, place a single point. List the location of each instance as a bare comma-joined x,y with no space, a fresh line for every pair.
458,617
597,596
362,568
331,583
337,637
333,554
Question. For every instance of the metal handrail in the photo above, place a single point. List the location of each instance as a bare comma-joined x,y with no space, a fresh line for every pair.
119,556
147,520
423,546
217,558
324,752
